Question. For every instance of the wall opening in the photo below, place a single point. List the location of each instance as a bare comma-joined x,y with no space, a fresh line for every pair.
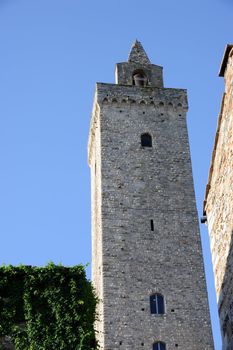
139,78
157,304
152,225
159,346
146,140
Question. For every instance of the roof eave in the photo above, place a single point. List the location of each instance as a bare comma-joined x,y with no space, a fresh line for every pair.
224,60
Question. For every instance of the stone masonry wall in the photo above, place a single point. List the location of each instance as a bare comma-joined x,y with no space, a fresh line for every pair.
94,158
219,209
138,185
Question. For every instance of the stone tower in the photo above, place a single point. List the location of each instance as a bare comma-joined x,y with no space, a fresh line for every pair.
146,250
218,204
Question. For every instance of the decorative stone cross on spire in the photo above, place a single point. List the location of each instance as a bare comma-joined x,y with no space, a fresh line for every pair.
138,54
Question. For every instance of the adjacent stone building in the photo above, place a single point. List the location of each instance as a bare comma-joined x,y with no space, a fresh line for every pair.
146,250
218,204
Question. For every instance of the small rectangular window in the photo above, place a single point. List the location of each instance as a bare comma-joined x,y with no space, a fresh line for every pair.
152,225
146,140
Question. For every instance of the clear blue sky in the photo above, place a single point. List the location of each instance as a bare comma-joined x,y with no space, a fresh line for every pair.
52,53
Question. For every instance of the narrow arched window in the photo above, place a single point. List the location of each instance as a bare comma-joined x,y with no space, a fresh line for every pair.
146,140
139,78
157,304
159,346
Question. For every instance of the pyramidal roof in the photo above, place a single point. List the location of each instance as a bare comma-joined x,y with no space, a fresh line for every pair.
138,54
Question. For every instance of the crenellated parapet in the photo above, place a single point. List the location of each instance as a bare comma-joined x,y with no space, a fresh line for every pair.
163,101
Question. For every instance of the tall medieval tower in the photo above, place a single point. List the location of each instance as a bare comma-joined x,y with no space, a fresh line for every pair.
146,255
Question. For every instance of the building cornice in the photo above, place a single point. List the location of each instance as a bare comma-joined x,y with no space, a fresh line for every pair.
223,65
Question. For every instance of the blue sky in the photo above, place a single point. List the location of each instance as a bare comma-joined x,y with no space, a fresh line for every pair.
52,53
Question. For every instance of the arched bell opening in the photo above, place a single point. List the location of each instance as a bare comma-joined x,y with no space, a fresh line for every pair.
139,78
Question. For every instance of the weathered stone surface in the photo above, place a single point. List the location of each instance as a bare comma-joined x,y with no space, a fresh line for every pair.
138,54
218,205
132,185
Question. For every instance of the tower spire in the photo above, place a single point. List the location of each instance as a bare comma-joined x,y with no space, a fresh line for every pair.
138,54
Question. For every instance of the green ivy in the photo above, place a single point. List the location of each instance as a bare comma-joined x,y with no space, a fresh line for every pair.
47,308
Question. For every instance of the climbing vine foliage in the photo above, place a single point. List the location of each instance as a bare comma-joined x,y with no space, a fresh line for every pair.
48,308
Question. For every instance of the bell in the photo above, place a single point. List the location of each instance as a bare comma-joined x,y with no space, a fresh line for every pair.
140,79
